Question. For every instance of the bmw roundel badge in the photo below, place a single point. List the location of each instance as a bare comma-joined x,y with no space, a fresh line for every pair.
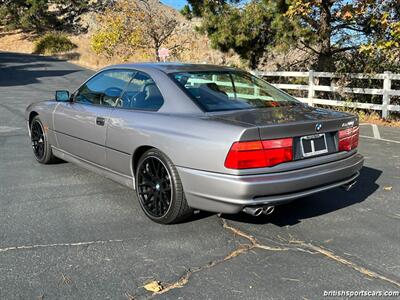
318,127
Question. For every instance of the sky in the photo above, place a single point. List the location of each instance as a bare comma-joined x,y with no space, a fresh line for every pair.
177,4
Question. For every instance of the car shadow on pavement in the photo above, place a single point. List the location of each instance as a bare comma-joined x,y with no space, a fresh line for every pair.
317,204
34,68
15,57
21,75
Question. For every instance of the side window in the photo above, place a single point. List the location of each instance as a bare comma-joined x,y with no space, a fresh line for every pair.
142,93
105,88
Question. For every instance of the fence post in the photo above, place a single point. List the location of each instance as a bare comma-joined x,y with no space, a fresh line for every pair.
311,91
387,86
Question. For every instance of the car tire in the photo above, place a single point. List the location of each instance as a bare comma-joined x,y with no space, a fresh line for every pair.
159,189
40,143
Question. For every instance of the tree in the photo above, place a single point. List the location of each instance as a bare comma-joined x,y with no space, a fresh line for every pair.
129,26
119,33
335,27
249,31
382,51
43,15
30,15
330,30
158,27
69,12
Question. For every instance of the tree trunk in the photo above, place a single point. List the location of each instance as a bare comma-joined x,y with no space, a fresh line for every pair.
325,61
156,48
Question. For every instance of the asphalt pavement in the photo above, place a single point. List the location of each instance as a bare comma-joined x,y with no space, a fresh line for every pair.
67,233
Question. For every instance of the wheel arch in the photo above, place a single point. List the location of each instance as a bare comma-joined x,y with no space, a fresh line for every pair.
137,155
32,114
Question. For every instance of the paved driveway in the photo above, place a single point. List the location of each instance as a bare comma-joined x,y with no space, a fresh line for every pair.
66,233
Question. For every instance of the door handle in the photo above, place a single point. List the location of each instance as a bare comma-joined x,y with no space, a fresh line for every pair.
100,121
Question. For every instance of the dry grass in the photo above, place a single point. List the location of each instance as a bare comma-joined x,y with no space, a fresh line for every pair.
195,47
196,50
372,117
16,41
84,56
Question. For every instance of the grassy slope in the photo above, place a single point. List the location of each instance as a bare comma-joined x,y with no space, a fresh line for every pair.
197,49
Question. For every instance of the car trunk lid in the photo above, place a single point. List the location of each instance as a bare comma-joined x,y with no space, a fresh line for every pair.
291,121
314,130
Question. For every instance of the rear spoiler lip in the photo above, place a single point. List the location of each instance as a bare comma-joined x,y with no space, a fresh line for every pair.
295,129
302,128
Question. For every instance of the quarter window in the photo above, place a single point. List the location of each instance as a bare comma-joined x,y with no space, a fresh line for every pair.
105,88
142,93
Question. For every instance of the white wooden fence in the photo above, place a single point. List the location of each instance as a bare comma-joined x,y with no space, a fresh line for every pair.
386,91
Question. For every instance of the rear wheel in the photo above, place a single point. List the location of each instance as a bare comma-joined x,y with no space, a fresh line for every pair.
40,144
159,189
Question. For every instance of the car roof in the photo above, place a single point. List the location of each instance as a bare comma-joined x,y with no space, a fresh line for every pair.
173,67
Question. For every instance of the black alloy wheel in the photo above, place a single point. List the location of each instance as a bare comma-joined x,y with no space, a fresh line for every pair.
154,184
37,138
40,144
159,188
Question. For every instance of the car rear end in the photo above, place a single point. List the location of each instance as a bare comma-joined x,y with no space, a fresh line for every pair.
287,162
299,150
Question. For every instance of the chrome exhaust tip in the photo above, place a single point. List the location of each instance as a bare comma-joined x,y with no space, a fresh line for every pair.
347,187
267,210
257,211
254,211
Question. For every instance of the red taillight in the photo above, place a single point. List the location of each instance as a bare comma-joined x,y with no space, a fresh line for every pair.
259,154
348,138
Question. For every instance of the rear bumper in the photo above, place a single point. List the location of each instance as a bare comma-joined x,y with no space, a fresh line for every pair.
231,193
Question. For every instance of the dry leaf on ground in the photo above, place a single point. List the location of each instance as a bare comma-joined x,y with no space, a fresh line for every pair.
153,286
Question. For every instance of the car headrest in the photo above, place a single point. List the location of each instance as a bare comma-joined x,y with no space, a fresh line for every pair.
213,89
183,79
212,86
152,91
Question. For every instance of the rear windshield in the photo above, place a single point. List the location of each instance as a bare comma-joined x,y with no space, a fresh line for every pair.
231,90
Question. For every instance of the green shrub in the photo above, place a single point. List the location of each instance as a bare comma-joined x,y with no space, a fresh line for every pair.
52,43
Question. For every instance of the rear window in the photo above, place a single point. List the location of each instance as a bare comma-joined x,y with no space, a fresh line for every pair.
217,91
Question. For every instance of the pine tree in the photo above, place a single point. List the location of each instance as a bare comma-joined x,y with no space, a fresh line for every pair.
335,33
43,15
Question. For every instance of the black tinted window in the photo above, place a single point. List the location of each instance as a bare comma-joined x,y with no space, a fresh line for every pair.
105,88
142,93
230,90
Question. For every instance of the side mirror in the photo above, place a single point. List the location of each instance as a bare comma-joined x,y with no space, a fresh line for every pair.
62,96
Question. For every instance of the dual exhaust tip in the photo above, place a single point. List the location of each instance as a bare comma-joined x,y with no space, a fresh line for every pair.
348,186
267,210
259,210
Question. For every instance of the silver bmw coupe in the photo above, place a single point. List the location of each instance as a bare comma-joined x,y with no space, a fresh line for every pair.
202,137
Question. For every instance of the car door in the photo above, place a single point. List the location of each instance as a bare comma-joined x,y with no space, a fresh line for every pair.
81,125
134,110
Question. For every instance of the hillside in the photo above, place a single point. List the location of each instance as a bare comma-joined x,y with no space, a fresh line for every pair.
196,47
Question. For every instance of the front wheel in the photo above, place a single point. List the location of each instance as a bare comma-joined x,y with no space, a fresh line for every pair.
159,189
40,144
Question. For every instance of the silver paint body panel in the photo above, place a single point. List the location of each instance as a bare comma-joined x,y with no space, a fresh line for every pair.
197,143
76,130
230,193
